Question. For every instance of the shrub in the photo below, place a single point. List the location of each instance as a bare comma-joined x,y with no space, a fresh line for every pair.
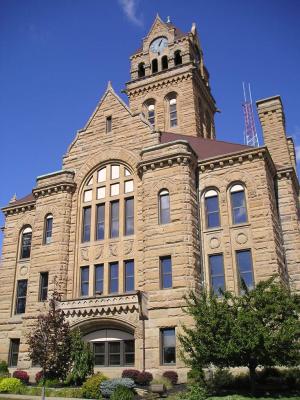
163,381
38,376
108,387
172,376
82,359
220,379
292,377
22,375
91,387
144,378
131,373
3,367
10,385
122,393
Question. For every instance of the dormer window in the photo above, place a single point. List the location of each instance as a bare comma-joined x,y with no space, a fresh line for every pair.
108,124
154,66
141,70
177,57
164,62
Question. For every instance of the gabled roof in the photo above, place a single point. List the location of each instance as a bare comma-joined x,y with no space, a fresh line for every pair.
205,148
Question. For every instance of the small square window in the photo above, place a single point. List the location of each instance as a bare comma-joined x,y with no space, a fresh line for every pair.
114,189
128,186
88,194
115,171
101,192
102,175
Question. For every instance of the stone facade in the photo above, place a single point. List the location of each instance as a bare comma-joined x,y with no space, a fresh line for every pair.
164,160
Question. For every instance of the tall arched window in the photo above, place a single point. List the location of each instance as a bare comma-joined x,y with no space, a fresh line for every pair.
141,70
173,112
108,204
164,206
26,237
151,114
177,57
238,204
154,65
164,62
212,212
48,225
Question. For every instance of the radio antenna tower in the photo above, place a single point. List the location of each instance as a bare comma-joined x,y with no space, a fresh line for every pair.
250,135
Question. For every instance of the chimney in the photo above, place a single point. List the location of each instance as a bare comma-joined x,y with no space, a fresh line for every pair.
272,119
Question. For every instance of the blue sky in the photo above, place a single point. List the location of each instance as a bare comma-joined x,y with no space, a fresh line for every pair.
56,57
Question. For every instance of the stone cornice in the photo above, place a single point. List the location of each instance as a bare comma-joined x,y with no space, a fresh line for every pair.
210,164
288,173
106,305
19,208
54,188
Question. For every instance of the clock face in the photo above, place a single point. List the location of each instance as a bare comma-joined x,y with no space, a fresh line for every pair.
159,44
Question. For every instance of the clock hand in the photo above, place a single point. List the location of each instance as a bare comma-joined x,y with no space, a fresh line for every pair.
160,43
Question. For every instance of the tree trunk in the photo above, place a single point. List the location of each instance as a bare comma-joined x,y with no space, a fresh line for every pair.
252,375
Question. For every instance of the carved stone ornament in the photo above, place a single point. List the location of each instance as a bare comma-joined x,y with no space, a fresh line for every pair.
128,247
98,252
113,249
85,254
23,270
241,238
214,243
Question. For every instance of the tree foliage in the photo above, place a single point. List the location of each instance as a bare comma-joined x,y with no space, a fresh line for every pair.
50,341
259,328
82,360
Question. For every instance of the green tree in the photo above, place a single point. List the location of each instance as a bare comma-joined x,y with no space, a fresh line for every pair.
259,328
82,360
49,341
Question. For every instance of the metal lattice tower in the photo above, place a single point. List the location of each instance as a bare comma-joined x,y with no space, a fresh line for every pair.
250,135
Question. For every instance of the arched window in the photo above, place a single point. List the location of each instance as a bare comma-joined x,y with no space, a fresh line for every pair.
177,57
164,62
154,66
107,195
112,347
238,204
173,111
164,206
48,225
151,114
26,237
141,70
212,212
207,124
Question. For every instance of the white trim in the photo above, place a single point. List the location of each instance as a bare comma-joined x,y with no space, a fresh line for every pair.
211,193
237,188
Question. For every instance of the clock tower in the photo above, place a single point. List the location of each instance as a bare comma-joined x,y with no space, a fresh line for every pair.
169,82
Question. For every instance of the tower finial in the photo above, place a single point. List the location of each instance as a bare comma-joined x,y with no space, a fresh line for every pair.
109,87
168,19
13,199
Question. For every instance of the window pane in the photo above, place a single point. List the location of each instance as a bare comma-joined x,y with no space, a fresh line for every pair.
100,221
114,215
43,286
217,277
212,211
108,124
90,182
129,216
164,208
88,194
129,352
99,277
102,175
48,230
21,296
114,355
86,233
14,352
114,277
128,186
101,192
26,245
166,272
84,281
127,172
115,171
129,276
99,353
168,346
244,262
114,189
239,212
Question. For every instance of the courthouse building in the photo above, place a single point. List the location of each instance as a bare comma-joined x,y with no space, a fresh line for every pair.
148,205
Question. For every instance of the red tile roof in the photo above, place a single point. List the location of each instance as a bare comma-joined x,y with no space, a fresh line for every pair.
25,199
205,148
